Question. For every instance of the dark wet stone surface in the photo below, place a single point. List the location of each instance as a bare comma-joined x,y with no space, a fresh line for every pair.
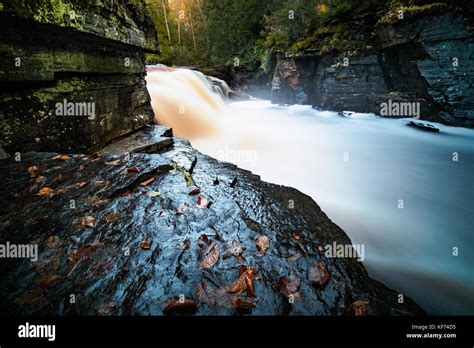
128,248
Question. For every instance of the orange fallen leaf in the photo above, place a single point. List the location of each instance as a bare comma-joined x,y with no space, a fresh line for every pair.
33,171
112,217
358,308
61,158
297,237
146,244
115,163
289,285
318,274
211,258
86,221
45,191
194,192
147,182
179,305
133,170
82,184
262,243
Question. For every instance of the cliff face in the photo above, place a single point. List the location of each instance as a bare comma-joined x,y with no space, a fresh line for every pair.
427,59
72,73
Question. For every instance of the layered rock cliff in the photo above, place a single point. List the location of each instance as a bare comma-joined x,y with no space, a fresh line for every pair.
72,73
427,58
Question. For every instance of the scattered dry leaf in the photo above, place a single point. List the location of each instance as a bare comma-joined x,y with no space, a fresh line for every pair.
155,193
115,163
203,202
45,191
102,182
52,241
82,184
297,237
85,221
112,217
211,258
61,158
40,179
205,294
318,274
289,285
147,182
61,177
195,192
146,244
359,308
33,170
179,305
262,243
234,248
84,252
106,308
133,170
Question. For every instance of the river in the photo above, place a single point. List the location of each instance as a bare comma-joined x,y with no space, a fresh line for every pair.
407,195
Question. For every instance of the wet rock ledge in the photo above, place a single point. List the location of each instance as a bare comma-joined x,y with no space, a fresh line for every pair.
148,225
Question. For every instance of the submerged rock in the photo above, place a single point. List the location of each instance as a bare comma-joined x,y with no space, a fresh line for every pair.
91,240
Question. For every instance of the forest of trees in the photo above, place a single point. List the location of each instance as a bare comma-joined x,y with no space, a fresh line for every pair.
243,34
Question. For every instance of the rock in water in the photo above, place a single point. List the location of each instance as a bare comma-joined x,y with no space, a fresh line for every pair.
106,259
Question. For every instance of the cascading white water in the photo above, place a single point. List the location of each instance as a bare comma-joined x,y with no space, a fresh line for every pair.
357,169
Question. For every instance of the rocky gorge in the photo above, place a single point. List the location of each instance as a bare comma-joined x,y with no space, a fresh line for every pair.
128,218
424,56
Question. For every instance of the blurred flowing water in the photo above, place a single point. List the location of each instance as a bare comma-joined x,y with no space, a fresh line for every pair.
357,169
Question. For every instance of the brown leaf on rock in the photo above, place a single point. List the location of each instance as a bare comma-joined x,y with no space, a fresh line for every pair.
94,157
146,244
49,280
85,221
40,179
85,252
61,177
289,285
318,274
106,308
132,170
61,158
46,191
235,301
262,243
147,182
52,241
244,282
95,201
204,245
211,258
203,202
82,184
33,171
359,308
179,305
102,182
205,294
112,217
115,163
195,192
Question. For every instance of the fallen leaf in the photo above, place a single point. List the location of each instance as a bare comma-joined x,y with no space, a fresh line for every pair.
84,252
33,171
262,243
82,184
45,191
52,241
40,179
236,301
203,202
289,285
106,308
146,244
155,193
182,209
47,281
297,237
244,282
86,221
61,177
112,217
115,163
211,258
147,182
102,182
318,274
204,244
179,305
61,158
132,170
358,308
94,157
205,294
195,192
